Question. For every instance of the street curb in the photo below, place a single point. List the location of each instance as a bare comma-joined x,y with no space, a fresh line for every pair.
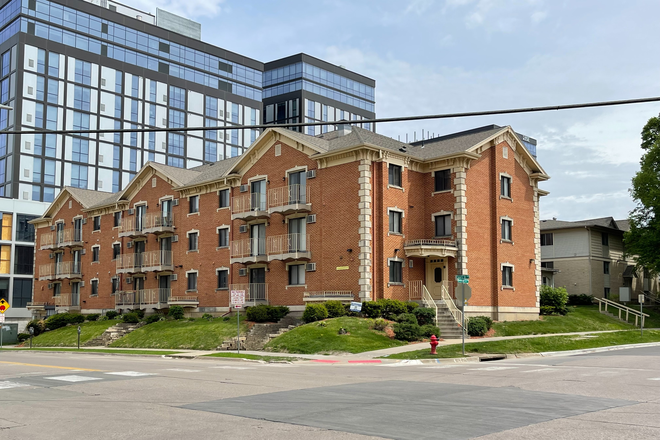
598,349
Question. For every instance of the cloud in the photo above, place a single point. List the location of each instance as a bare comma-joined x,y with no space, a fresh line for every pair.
538,16
189,9
419,6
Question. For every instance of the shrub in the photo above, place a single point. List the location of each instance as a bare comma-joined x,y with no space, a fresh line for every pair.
546,310
175,312
257,313
275,313
488,320
429,330
392,308
407,318
347,311
477,326
335,309
424,315
411,306
23,337
372,309
407,332
207,316
130,318
314,312
76,319
38,325
580,300
61,320
93,317
139,312
380,324
111,314
226,318
555,297
153,318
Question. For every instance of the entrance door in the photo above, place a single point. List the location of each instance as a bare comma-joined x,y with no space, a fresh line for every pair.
297,234
436,276
166,212
257,291
164,288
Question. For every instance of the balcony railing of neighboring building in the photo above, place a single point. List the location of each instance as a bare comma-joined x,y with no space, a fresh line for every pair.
325,295
431,247
38,305
249,250
57,271
288,247
184,301
157,223
142,298
65,238
253,291
289,199
416,288
151,261
249,207
71,300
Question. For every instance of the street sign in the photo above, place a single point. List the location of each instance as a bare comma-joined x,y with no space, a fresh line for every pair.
4,305
463,293
356,307
238,306
237,298
2,318
640,298
463,278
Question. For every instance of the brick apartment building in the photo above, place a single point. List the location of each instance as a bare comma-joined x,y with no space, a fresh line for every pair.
349,215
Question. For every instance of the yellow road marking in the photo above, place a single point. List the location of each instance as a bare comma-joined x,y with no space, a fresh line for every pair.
49,366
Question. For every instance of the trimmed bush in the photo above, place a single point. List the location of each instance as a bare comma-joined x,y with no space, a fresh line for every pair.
580,300
23,337
407,318
392,308
477,326
372,309
130,318
257,313
153,318
429,330
411,306
407,332
488,320
555,297
111,314
275,313
76,319
62,320
207,316
93,317
380,324
139,312
347,311
175,312
546,310
424,315
314,312
335,309
38,325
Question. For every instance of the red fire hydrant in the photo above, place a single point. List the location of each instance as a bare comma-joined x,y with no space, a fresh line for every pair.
434,343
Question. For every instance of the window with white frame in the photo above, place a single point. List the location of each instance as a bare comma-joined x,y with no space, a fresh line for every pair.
442,225
97,223
396,271
223,278
547,239
95,288
95,254
116,250
117,219
506,229
193,204
395,221
394,175
505,186
192,280
223,198
115,285
223,237
507,276
296,274
193,241
442,180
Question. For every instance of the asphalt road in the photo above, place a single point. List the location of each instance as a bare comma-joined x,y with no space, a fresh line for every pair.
607,395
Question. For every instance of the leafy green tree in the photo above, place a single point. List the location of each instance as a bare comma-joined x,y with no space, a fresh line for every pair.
643,239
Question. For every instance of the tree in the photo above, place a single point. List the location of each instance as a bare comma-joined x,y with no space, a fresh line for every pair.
643,239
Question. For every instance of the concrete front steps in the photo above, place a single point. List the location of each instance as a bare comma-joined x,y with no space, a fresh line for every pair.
449,328
260,334
113,333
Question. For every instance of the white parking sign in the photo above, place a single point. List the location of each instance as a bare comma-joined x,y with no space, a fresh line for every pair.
238,298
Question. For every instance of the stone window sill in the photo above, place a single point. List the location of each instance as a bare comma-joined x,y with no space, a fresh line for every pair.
396,187
506,198
295,285
191,291
506,242
193,213
508,288
395,284
221,247
222,208
221,288
196,251
440,192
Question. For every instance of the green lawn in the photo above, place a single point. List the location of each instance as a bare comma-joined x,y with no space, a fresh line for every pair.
536,345
68,336
99,350
578,319
252,357
200,334
315,339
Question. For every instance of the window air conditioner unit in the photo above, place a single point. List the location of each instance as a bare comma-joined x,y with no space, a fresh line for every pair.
129,244
82,284
244,188
129,280
174,277
51,255
242,229
83,252
50,286
242,272
175,202
311,267
311,174
311,218
131,211
52,228
84,221
175,238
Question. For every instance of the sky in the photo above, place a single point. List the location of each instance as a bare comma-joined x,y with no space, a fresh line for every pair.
448,56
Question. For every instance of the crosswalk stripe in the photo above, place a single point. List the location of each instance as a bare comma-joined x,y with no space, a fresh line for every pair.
493,368
4,385
183,370
73,378
130,373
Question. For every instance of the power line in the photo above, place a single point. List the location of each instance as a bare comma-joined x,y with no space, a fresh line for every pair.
362,121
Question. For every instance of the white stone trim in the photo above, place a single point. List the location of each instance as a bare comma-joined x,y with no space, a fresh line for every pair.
167,197
537,244
257,178
365,229
295,169
439,213
400,260
192,231
460,193
218,269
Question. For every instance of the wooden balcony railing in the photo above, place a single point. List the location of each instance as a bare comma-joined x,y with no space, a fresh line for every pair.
249,206
151,261
289,198
139,298
296,245
62,238
67,300
54,271
249,247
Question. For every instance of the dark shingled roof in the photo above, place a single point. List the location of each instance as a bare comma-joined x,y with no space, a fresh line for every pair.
604,222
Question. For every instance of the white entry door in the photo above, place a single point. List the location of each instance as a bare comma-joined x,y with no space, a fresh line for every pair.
436,274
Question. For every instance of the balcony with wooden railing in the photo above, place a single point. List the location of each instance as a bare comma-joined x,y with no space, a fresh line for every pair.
288,247
184,301
289,199
249,250
155,298
132,226
70,301
327,295
157,223
254,292
59,271
249,207
431,248
69,237
151,261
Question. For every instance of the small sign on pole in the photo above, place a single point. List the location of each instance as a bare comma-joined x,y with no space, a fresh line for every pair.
463,279
237,300
4,306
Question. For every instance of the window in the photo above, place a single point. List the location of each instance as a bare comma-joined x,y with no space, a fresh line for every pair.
223,198
546,239
5,258
24,260
83,72
193,243
117,219
53,64
177,118
605,238
443,180
115,285
192,281
95,254
223,279
95,288
606,292
53,91
116,250
177,97
443,225
97,223
395,222
223,237
394,175
7,220
296,274
505,186
606,267
80,150
22,292
24,230
396,271
506,229
81,98
548,264
194,204
507,276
